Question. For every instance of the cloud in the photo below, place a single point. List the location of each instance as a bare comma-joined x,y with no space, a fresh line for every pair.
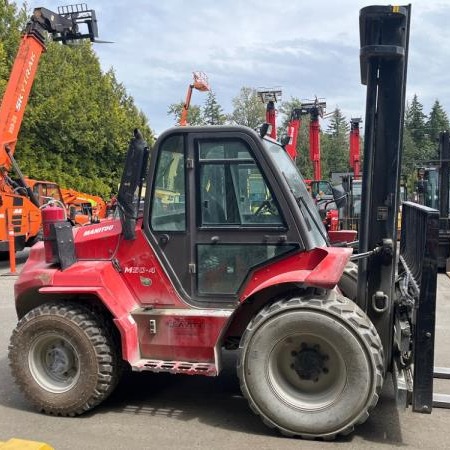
307,48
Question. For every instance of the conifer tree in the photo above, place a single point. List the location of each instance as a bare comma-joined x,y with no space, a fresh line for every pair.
437,122
212,112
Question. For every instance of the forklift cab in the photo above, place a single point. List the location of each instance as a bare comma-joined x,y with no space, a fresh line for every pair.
220,202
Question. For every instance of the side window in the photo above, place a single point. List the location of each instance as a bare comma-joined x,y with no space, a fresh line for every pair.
223,268
232,189
168,212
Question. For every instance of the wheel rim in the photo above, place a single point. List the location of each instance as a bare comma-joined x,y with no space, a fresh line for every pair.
306,371
54,363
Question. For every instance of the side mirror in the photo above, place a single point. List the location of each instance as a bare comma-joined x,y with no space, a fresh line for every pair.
285,140
132,177
339,196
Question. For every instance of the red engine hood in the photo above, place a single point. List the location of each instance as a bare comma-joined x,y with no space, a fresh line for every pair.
97,241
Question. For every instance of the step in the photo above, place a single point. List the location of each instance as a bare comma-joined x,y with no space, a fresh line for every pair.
186,367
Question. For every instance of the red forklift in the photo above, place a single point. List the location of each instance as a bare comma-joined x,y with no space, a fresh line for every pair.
168,288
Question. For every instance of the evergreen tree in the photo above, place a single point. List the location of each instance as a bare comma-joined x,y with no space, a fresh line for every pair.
437,122
415,120
78,120
417,147
12,22
338,125
248,108
212,112
335,144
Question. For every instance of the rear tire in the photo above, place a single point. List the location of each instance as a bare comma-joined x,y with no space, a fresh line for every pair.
63,359
312,366
348,284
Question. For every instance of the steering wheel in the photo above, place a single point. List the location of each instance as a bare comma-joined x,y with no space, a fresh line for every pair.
266,205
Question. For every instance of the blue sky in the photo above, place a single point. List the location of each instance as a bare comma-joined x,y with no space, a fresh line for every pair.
308,48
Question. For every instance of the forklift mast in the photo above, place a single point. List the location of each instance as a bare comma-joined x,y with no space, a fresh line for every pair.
384,32
269,97
293,128
315,110
355,158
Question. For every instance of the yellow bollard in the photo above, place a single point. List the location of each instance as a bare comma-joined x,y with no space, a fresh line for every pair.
21,444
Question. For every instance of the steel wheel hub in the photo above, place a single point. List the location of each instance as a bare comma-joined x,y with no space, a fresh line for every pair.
54,363
309,362
306,371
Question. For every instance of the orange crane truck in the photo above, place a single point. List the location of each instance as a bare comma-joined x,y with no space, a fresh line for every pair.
200,84
20,216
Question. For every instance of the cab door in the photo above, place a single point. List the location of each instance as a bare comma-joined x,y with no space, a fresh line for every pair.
218,215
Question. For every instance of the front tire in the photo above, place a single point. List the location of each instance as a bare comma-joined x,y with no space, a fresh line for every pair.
311,367
63,359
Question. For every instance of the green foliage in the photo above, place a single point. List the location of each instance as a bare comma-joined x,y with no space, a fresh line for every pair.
248,110
420,136
415,120
335,145
437,122
78,120
194,115
12,21
212,112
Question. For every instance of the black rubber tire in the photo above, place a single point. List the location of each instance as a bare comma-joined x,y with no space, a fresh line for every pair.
350,374
38,238
81,342
349,281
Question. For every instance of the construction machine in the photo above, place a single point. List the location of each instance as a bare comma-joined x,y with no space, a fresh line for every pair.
432,189
293,128
201,84
166,290
351,180
322,190
269,97
354,153
20,217
83,208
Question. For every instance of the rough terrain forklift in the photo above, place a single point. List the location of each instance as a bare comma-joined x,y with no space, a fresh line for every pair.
237,257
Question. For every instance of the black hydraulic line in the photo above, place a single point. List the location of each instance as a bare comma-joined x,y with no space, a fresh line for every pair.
23,183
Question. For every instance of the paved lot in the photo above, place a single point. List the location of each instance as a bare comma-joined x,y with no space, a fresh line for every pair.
158,411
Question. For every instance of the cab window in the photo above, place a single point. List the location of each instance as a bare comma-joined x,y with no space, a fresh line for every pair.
232,189
168,212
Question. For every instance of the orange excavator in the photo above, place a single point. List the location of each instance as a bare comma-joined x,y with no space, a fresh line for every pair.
20,218
200,84
82,207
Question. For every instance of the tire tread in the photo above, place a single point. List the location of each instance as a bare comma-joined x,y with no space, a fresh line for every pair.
335,305
102,342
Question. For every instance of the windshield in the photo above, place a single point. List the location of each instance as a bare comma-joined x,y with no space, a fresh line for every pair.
295,181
